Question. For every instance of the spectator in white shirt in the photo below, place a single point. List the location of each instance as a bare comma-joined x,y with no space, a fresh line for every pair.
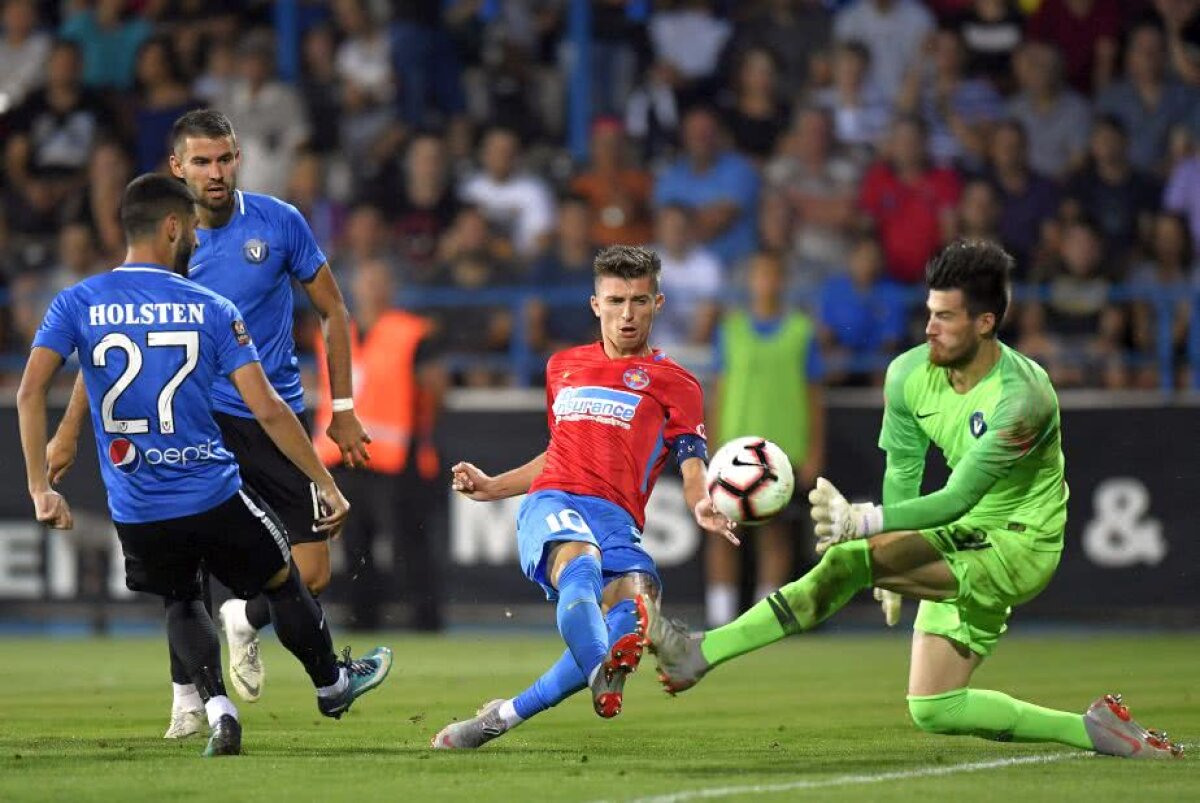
23,53
691,280
364,58
269,119
893,30
518,204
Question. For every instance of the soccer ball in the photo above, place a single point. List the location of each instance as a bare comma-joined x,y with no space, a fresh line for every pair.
750,480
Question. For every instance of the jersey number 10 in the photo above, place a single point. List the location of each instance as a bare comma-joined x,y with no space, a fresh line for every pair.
189,341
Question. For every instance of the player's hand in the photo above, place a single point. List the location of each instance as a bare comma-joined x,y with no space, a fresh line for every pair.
334,509
60,456
347,432
468,480
837,520
890,602
715,522
51,509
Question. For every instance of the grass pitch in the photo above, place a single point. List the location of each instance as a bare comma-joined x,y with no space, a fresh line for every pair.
818,717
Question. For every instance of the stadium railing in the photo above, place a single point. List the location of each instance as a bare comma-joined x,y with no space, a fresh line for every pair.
523,363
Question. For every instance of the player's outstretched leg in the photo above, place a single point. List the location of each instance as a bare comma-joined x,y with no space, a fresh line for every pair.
625,619
1106,727
580,622
684,658
193,636
298,624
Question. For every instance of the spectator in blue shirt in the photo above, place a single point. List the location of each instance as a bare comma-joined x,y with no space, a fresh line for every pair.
1146,101
109,40
862,318
719,185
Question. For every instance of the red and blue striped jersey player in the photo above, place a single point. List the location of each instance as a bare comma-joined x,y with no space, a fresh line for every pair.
617,410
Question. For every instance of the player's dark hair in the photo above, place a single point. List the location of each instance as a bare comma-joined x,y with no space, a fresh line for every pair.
201,124
981,270
627,262
148,199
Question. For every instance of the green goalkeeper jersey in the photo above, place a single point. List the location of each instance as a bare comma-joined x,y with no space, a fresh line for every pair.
1001,440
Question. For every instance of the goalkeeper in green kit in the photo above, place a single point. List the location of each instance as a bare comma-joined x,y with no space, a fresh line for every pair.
989,540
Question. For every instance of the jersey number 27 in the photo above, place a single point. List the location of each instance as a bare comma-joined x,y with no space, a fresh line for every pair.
188,341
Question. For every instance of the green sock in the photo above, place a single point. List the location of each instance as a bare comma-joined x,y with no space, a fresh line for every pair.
995,715
801,605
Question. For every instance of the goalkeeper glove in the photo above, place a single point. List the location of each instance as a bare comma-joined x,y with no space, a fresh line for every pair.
890,602
837,520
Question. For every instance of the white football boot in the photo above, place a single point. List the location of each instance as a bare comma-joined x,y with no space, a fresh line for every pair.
246,671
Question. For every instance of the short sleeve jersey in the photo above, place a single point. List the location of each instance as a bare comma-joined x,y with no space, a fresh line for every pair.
151,345
251,260
613,422
1001,438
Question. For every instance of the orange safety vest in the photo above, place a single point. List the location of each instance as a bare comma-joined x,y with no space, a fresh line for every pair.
385,391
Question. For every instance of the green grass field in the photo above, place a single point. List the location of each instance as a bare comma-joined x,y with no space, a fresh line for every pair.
819,718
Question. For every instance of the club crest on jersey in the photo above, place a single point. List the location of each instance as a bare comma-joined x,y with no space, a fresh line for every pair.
255,250
591,403
124,456
636,379
978,425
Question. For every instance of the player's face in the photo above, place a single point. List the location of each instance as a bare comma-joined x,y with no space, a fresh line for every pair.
953,335
626,310
209,168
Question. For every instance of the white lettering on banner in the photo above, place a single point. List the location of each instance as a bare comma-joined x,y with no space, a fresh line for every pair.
483,532
1119,535
23,575
486,532
20,560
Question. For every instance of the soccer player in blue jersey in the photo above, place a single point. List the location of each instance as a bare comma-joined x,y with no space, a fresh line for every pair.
250,248
152,347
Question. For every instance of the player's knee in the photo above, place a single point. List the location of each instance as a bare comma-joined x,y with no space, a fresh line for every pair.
847,562
938,714
315,579
279,578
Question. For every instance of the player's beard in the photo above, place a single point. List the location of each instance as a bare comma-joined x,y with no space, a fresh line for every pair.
216,206
955,361
183,255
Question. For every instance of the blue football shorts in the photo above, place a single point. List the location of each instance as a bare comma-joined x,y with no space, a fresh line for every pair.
549,517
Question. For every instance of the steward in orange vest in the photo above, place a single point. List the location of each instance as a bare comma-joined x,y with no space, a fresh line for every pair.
387,397
396,394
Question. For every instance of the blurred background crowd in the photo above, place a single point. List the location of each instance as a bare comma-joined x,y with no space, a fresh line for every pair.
842,142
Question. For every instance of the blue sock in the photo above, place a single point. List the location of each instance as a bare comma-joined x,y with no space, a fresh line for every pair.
564,678
580,622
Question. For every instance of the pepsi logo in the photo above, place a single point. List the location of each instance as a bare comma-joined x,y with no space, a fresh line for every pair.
124,456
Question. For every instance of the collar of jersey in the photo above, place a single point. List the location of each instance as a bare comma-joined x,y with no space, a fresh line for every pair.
239,210
148,267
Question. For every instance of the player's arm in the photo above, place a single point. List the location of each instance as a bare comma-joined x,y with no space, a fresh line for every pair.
286,431
344,429
903,440
63,447
472,483
49,506
695,494
1020,423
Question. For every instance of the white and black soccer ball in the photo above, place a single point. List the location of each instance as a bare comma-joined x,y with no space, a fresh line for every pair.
750,480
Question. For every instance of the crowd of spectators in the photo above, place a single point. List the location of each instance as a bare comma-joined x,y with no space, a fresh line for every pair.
849,139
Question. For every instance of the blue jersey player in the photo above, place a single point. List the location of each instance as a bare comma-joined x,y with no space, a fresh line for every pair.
250,249
152,345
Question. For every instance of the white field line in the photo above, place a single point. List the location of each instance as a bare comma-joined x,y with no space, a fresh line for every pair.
852,780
